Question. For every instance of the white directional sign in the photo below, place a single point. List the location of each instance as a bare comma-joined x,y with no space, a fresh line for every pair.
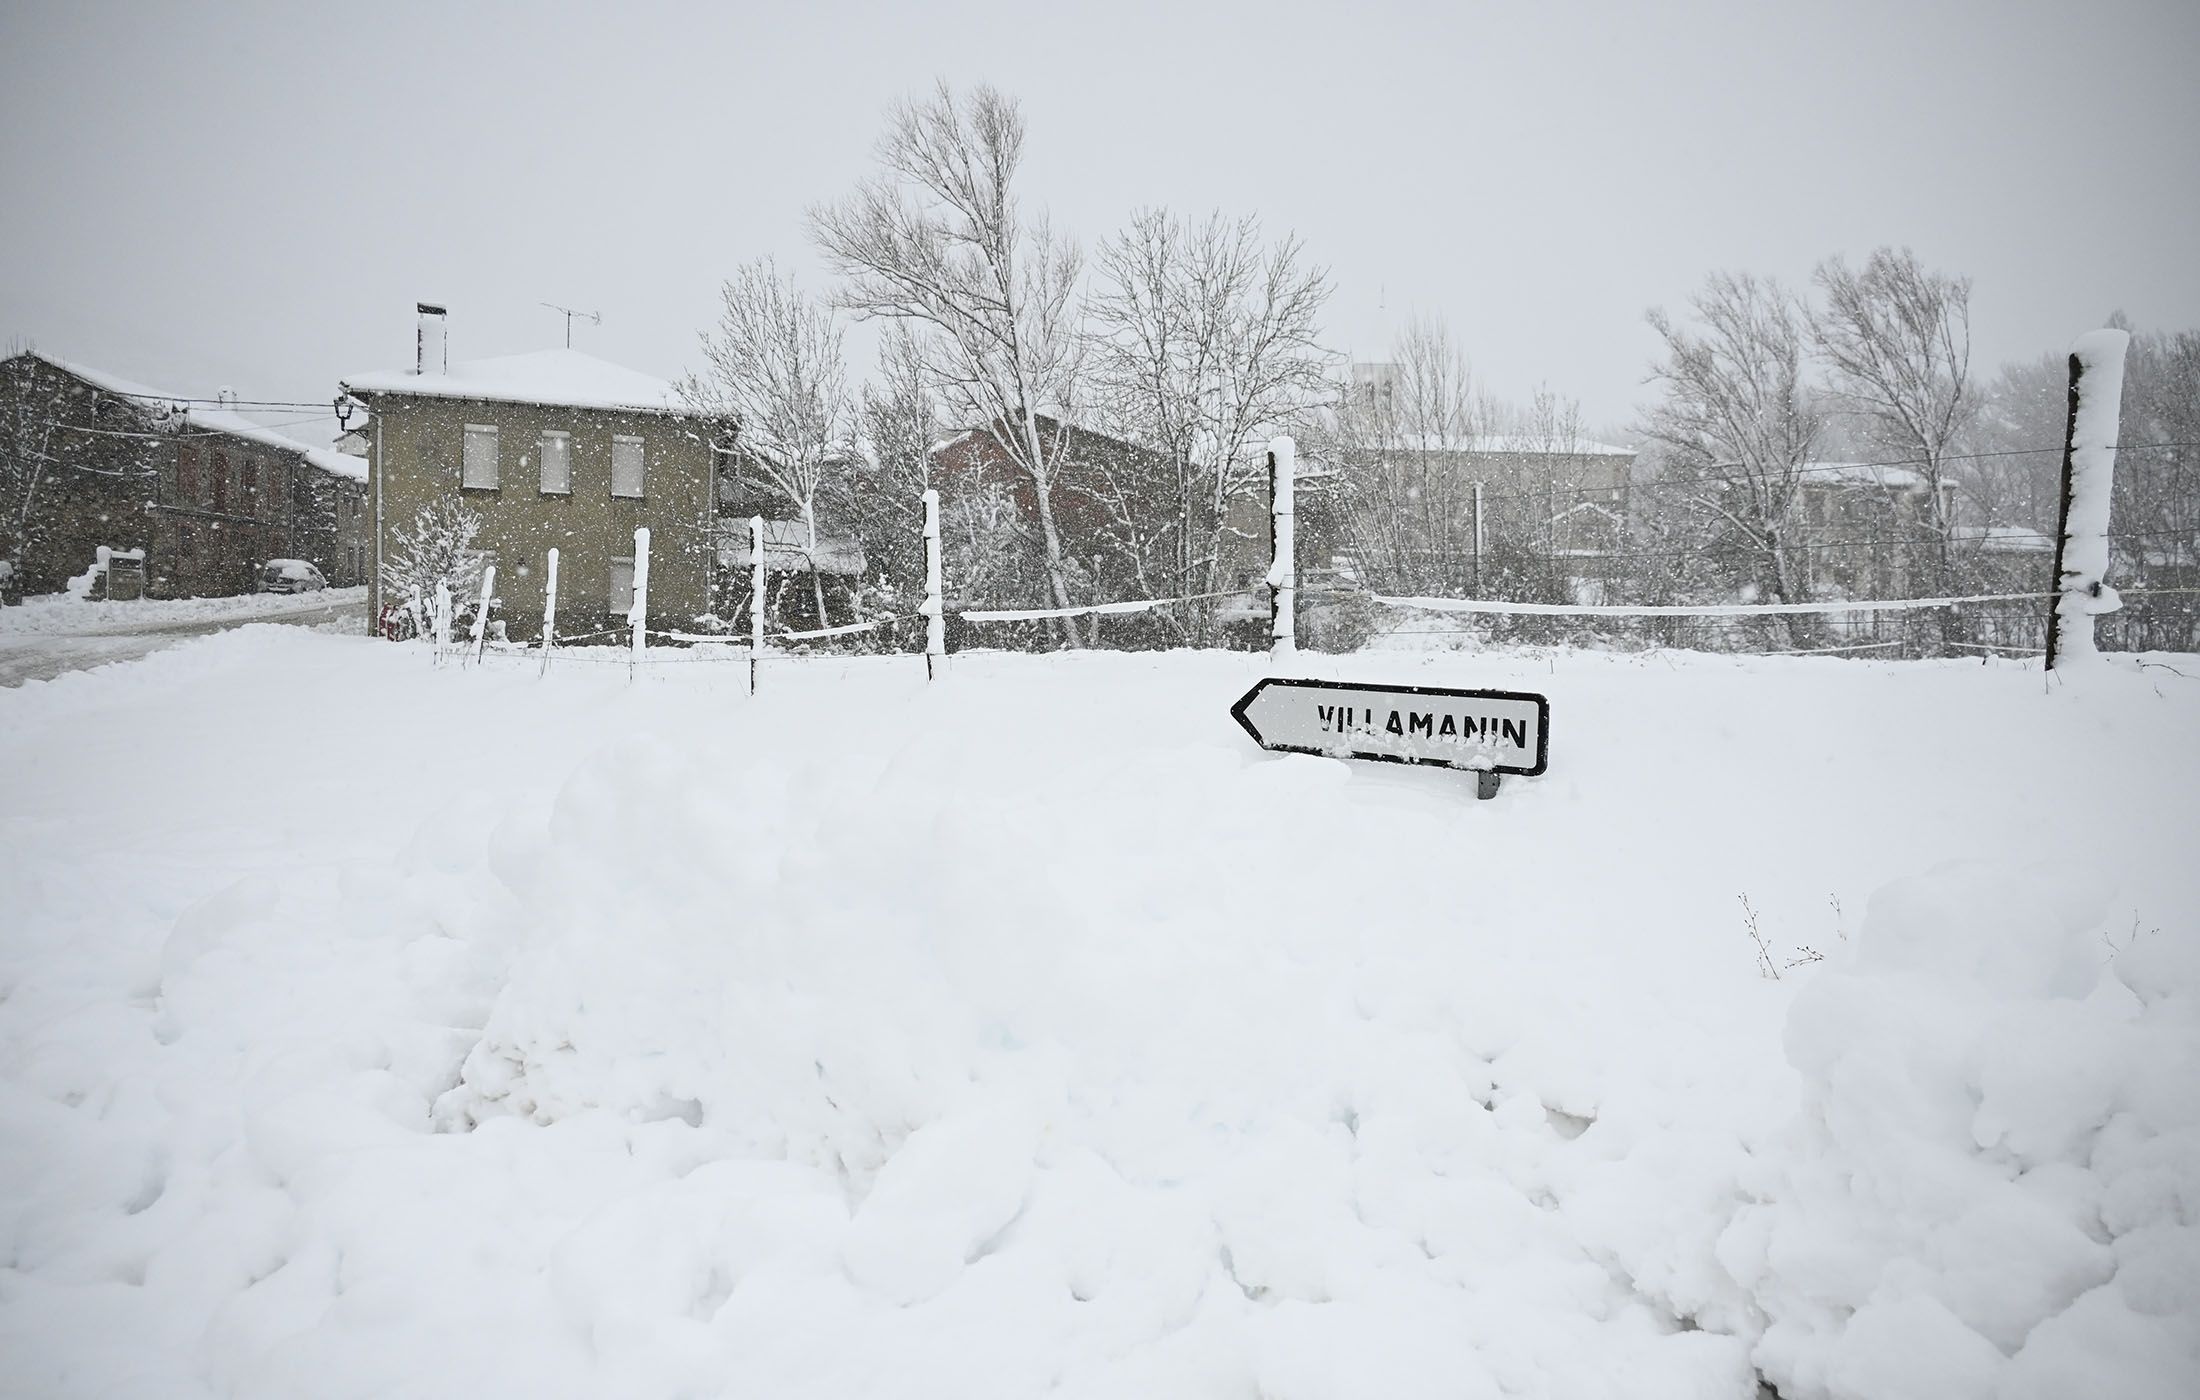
1496,731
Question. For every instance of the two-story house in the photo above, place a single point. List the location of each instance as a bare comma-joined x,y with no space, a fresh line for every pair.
553,449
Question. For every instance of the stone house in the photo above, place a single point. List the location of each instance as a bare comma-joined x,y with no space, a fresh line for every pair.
90,460
552,449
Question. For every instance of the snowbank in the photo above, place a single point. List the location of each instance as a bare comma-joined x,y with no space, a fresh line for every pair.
66,614
1994,1185
1031,1033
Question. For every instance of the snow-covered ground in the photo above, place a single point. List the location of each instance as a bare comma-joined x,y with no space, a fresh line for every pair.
374,1029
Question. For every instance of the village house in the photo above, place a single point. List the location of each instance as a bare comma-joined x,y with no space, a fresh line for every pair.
1100,484
192,494
1869,528
552,449
1565,498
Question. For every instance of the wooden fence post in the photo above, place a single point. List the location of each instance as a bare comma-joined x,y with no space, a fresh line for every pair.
2088,482
637,614
442,621
935,615
549,607
756,597
481,611
1283,570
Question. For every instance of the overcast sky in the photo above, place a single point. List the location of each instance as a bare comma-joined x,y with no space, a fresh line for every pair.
256,194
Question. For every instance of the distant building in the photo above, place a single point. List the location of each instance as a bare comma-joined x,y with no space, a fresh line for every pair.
1869,527
1566,497
93,460
554,449
991,508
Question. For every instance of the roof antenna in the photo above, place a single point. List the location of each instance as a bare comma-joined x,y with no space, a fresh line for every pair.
594,318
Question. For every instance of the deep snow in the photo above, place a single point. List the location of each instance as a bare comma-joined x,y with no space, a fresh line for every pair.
368,1028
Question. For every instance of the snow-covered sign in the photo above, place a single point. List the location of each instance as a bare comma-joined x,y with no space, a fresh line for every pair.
1500,731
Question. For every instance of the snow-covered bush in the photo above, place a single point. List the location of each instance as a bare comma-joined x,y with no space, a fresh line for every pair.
1993,1188
436,548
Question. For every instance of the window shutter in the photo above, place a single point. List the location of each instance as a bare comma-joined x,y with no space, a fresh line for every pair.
626,466
480,467
557,464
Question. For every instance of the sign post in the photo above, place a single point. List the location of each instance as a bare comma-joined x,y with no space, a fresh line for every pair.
1486,732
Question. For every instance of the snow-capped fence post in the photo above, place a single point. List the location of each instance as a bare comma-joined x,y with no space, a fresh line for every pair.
935,614
442,621
1478,539
549,606
481,611
1283,571
637,612
2088,477
756,597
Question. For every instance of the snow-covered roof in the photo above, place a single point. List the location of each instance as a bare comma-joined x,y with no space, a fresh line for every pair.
562,378
786,549
1862,474
213,420
2005,539
327,459
1506,444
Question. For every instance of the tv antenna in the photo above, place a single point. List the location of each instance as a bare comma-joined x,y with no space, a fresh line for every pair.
594,318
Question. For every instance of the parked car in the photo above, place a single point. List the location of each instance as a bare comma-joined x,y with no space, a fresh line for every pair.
290,576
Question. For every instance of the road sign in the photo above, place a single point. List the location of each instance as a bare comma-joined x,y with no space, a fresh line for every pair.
1491,731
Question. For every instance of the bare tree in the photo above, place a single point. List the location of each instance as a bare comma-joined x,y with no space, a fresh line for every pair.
885,494
1738,424
776,372
1406,507
938,239
1206,347
1896,341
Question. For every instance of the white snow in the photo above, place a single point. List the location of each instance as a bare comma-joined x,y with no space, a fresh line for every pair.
563,378
481,1033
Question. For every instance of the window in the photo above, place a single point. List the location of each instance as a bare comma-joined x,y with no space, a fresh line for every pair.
185,545
626,466
221,481
480,470
557,464
187,476
622,586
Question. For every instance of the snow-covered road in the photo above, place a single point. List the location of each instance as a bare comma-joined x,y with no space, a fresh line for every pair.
59,644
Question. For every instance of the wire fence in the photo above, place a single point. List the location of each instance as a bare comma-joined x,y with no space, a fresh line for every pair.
1878,574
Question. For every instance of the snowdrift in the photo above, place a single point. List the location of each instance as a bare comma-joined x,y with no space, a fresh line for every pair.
1031,1033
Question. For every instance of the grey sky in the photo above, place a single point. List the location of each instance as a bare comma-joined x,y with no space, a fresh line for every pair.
256,194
